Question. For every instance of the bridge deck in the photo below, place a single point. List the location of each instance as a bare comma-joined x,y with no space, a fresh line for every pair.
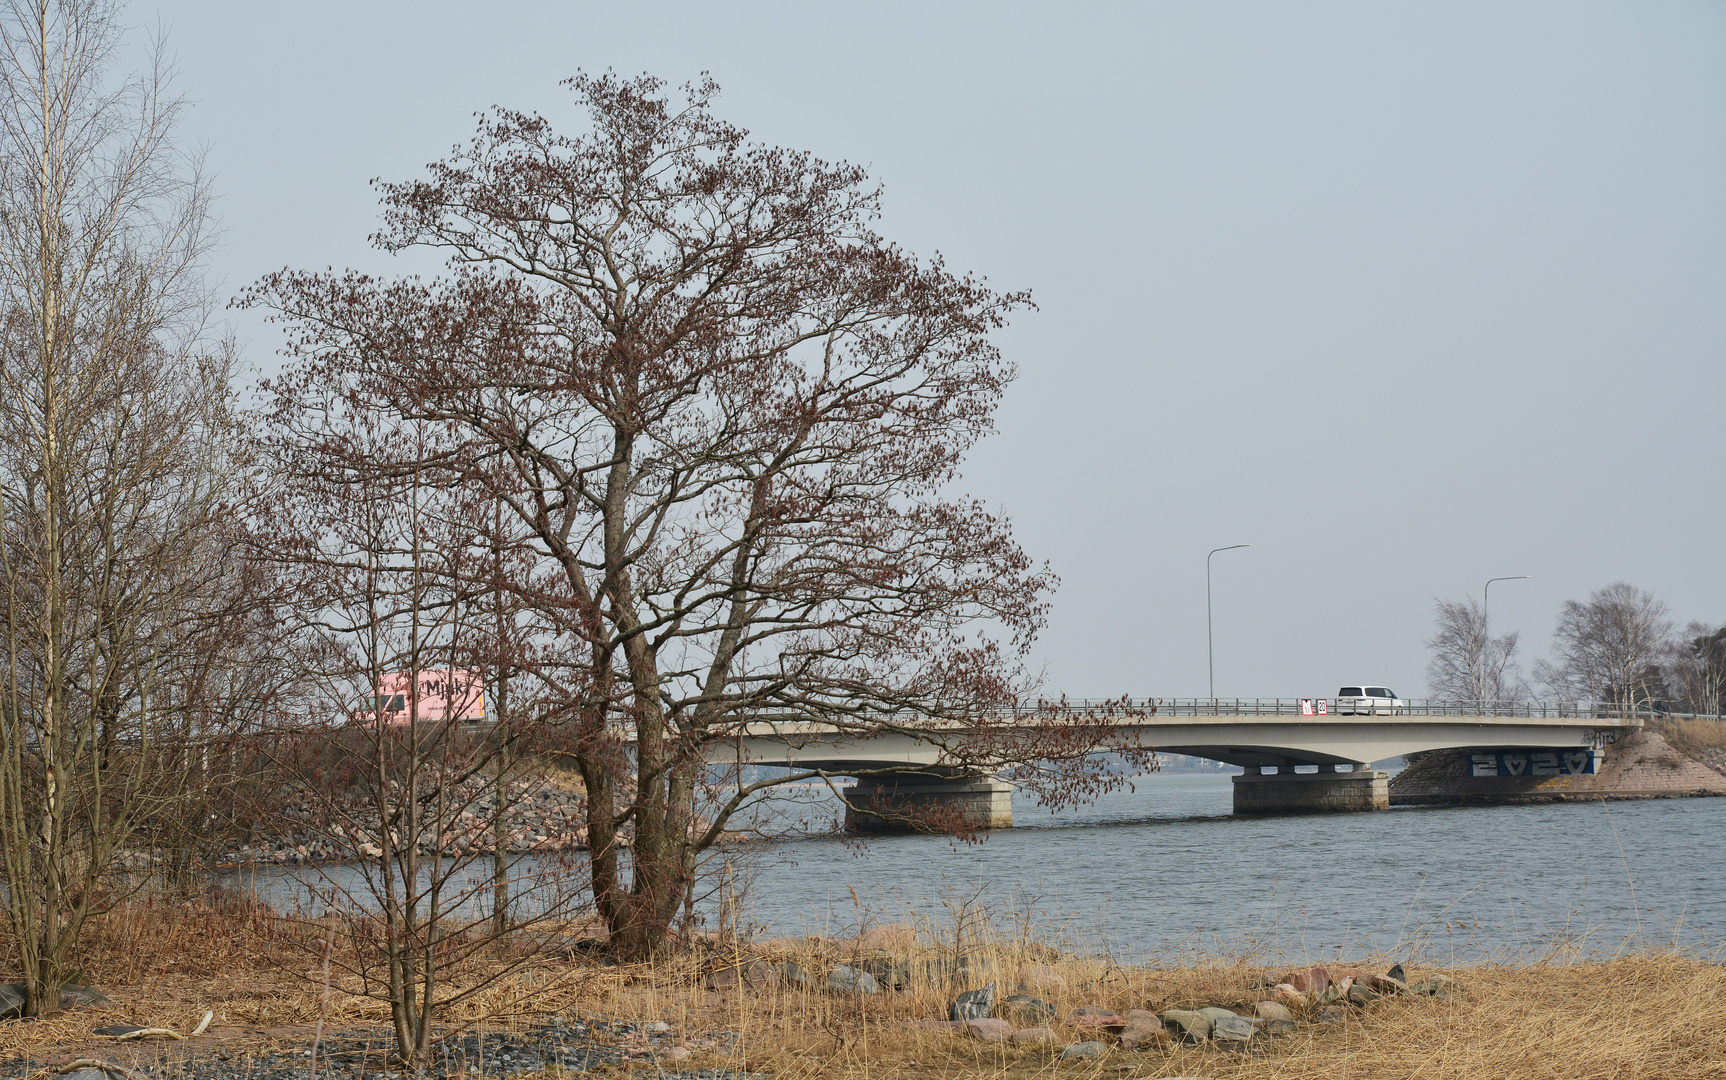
1248,739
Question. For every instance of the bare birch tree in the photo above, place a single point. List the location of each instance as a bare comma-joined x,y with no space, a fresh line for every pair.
1609,650
1696,673
115,428
1468,663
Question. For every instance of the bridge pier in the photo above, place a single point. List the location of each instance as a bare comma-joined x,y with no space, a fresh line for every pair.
980,802
1322,792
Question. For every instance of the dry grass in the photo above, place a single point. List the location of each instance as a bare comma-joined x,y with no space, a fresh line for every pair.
1653,1015
1692,735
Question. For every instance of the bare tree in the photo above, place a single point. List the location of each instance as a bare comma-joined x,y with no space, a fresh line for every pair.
401,626
1696,672
1468,664
725,415
1609,650
119,611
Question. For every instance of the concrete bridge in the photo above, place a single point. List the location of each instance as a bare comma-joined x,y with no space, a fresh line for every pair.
1298,755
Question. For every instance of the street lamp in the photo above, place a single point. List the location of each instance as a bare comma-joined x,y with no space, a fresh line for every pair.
1485,595
1210,642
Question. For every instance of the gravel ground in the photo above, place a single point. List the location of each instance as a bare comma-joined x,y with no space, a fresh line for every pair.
557,1044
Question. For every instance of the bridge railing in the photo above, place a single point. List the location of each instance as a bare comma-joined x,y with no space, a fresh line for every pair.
1148,707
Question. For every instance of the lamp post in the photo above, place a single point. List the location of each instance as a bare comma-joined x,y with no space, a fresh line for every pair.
1486,629
1486,598
1210,641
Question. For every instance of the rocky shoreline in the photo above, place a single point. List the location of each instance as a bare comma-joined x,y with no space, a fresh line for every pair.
555,1043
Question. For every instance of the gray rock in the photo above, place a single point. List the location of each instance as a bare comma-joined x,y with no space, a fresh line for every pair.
1233,1028
12,1000
1272,1010
1025,1010
892,974
1190,1025
844,979
1362,995
1213,1013
74,995
1396,973
87,1074
1085,1050
1279,1027
974,1004
793,974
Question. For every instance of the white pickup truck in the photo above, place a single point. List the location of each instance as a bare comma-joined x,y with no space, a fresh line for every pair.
1368,701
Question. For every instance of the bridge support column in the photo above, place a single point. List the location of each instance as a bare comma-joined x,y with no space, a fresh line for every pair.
981,802
1323,792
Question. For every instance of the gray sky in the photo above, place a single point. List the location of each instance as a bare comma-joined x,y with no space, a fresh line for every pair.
1407,296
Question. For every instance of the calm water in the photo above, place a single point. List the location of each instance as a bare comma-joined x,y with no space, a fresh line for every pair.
1166,873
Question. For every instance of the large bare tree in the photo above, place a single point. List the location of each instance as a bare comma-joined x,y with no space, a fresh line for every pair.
1609,649
727,417
120,607
1468,663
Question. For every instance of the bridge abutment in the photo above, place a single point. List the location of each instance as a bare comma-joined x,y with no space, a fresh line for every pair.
902,802
1322,792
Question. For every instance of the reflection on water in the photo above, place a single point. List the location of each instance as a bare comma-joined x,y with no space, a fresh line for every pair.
1166,873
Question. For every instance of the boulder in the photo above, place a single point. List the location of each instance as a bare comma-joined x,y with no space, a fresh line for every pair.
1214,1013
1272,1010
793,974
1279,1027
974,1004
1396,973
1437,986
12,1000
1231,1028
890,937
1312,982
1384,984
1190,1025
754,974
1361,994
1288,995
1085,1050
73,996
1140,1035
1034,1036
1095,1016
1034,977
989,1031
1026,1010
890,973
845,979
